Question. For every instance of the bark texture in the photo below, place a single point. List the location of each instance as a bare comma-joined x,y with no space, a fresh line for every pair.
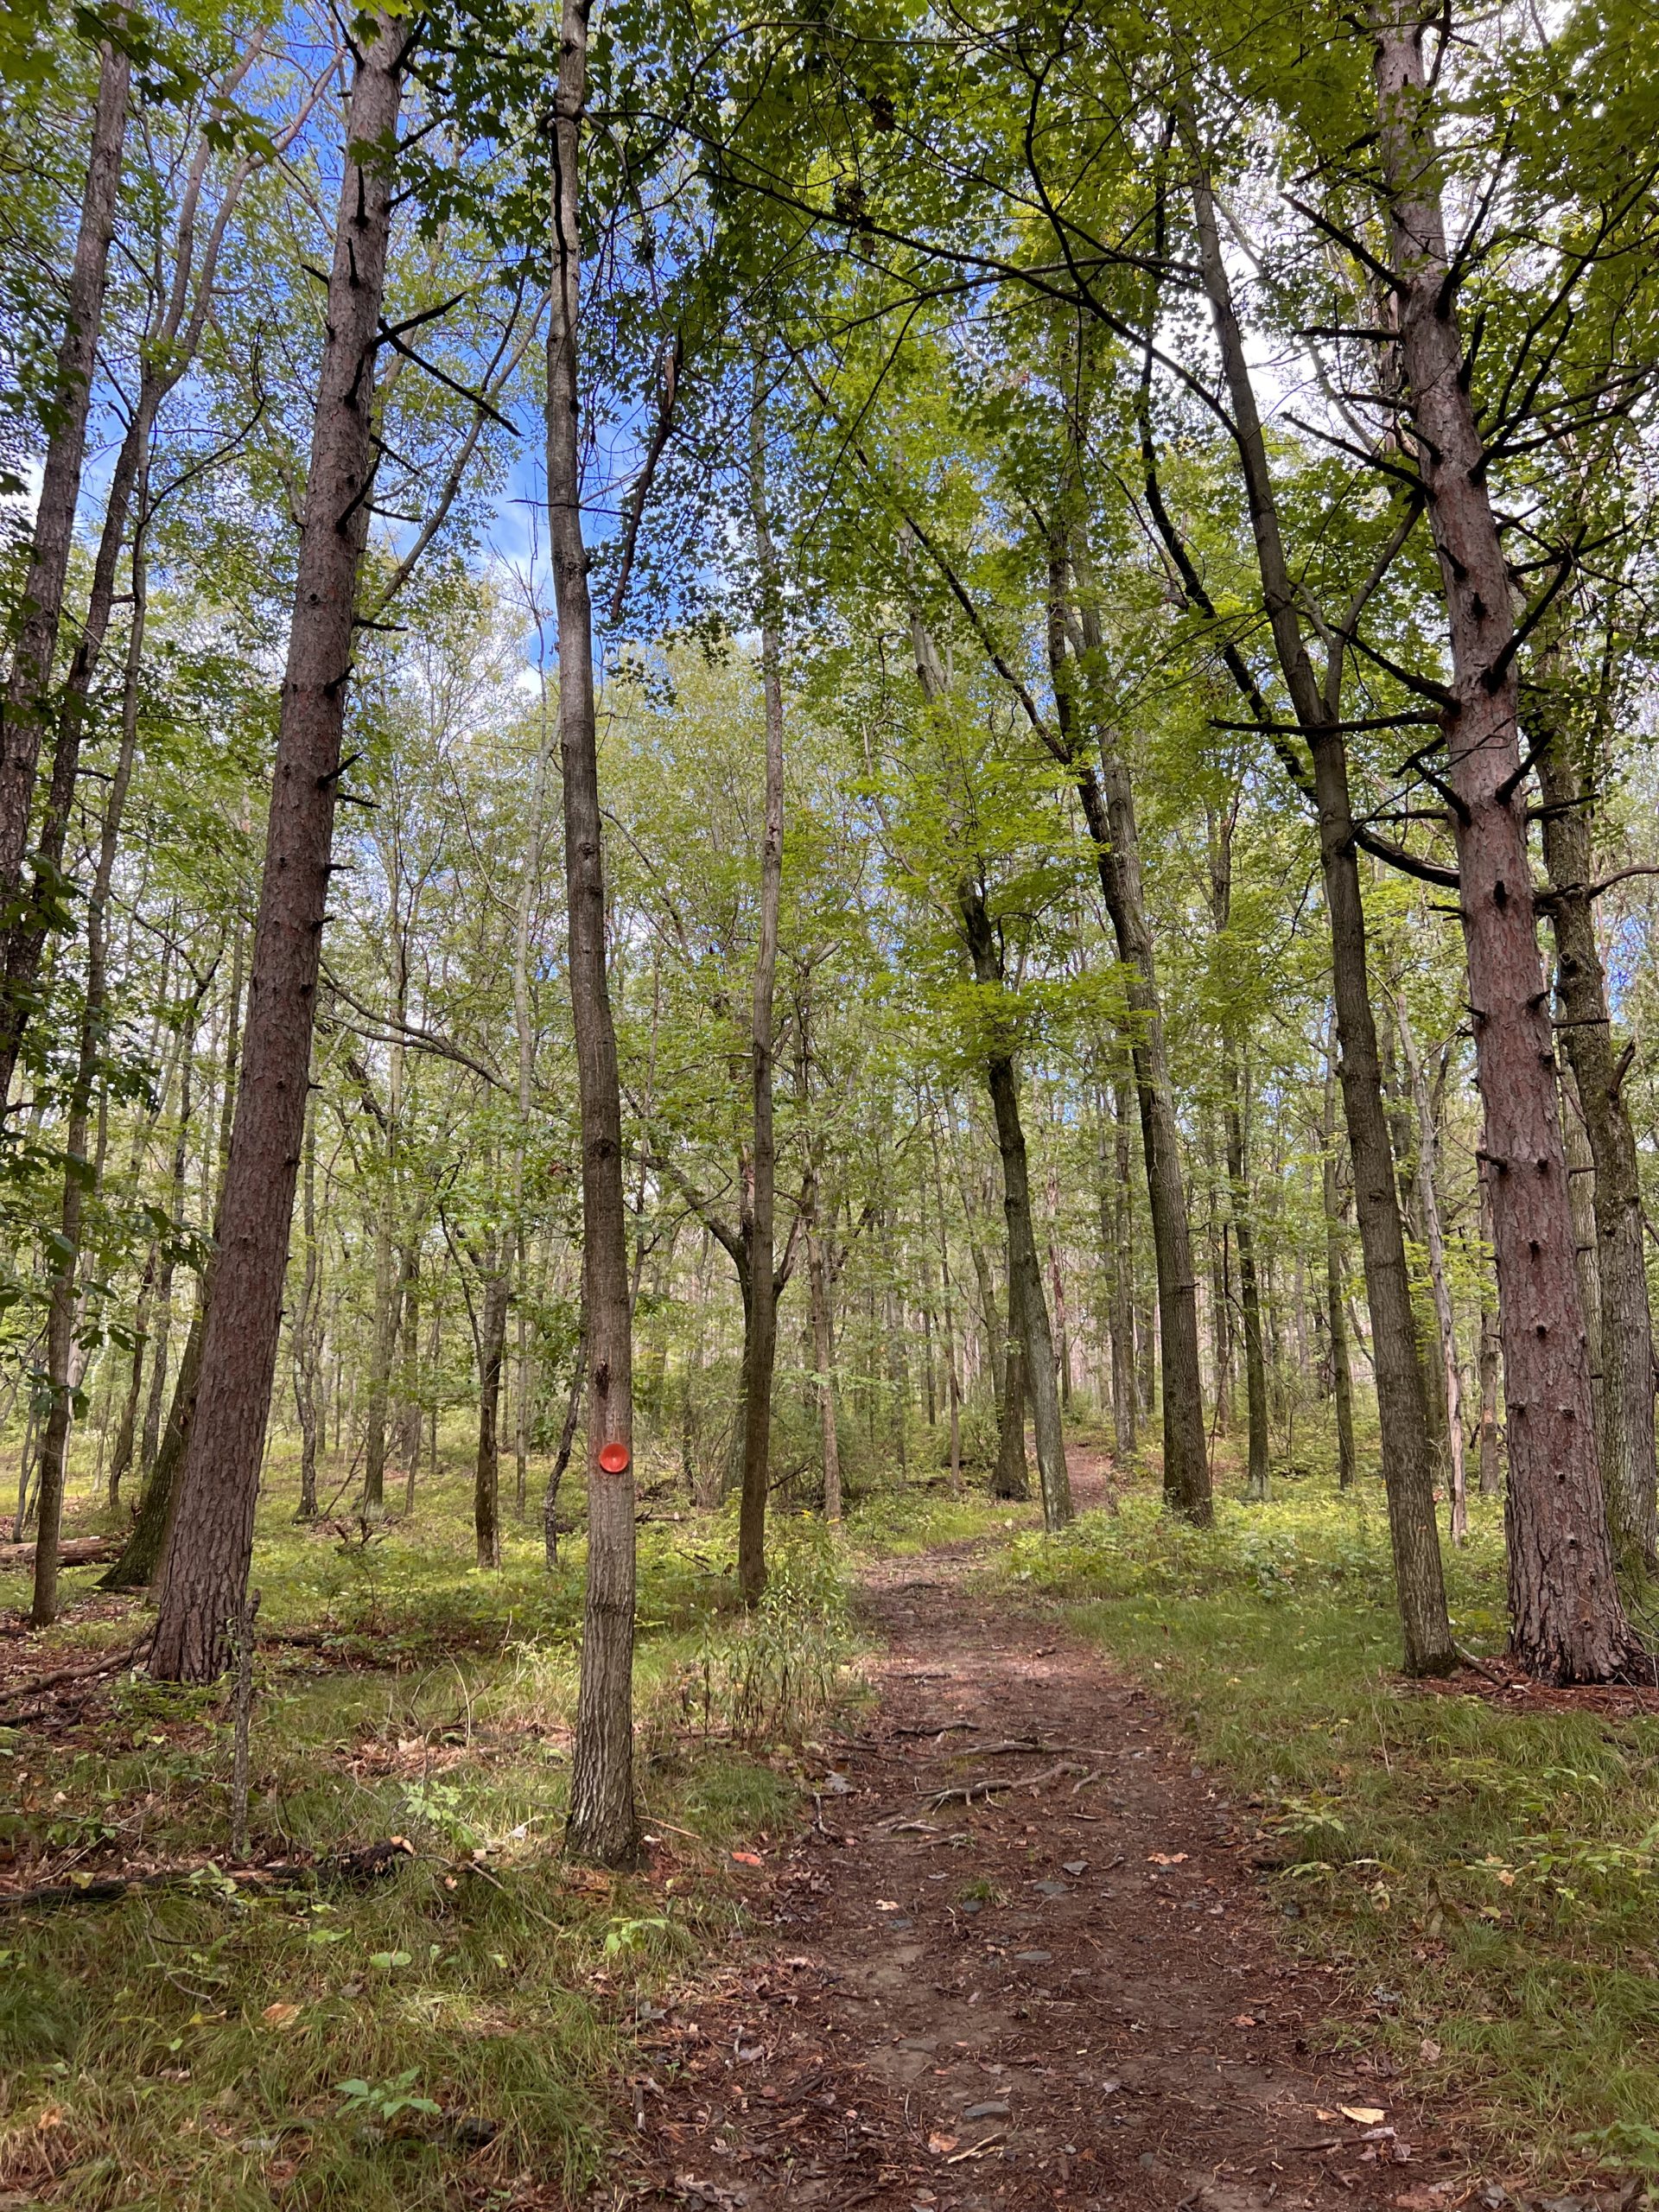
1568,1624
206,1572
604,1821
1626,1318
1407,1454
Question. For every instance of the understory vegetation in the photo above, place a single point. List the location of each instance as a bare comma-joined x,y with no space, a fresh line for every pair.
368,2028
1481,1864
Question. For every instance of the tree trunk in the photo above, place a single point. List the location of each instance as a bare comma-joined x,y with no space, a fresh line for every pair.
78,1173
383,1334
952,1378
205,1576
1221,1286
162,1325
823,1357
1249,1292
1011,1478
1626,1320
1126,1395
26,707
491,1351
306,1344
1408,1464
126,1433
142,1555
1335,1288
760,1308
1238,1181
1445,1324
1567,1622
603,1823
1108,811
1027,1306
1491,1472
561,1459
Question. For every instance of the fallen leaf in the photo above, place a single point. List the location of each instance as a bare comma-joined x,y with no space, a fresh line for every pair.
748,1858
1362,2115
1428,2049
1319,2112
280,2016
938,2145
1166,1859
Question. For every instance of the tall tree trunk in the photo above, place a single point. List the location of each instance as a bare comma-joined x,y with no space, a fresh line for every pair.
1238,1177
1126,1395
1108,811
162,1325
408,1445
306,1339
142,1555
1445,1323
1626,1319
1221,1285
524,1040
1336,1289
1249,1289
953,1376
1567,1622
210,1546
823,1357
761,1304
1027,1306
562,1460
491,1351
126,1433
78,1173
604,1822
1011,1478
383,1334
1491,1472
25,707
1407,1459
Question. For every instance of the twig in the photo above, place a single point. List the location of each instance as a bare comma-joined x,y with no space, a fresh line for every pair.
26,1692
983,1785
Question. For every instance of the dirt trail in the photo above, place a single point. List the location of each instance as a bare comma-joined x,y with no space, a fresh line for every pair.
1070,1991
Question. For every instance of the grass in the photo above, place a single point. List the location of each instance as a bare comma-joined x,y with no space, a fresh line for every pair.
454,2033
1489,1878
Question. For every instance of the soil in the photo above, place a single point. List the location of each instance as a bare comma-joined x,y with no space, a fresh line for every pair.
1023,1957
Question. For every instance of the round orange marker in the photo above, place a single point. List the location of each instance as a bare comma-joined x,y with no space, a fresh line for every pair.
613,1457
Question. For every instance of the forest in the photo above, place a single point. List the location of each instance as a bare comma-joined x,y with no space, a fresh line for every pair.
828,913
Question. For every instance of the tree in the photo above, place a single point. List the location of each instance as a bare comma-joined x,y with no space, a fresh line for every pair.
603,1822
210,1543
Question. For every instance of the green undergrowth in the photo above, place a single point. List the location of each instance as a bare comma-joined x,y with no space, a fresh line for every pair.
1487,1874
447,2033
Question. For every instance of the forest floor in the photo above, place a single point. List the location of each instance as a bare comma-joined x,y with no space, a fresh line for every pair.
986,1870
1023,1955
1020,1957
